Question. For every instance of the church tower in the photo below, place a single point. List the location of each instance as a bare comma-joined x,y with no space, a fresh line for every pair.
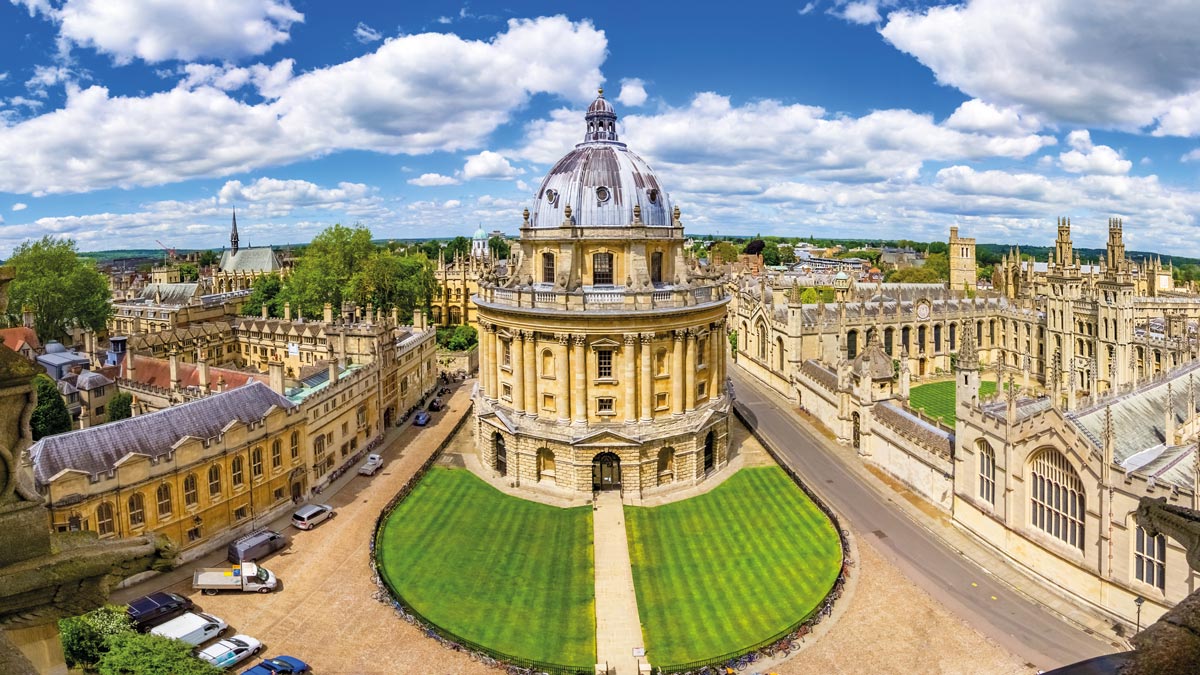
233,237
962,262
1066,288
1114,314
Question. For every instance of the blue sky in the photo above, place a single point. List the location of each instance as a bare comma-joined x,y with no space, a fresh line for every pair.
123,122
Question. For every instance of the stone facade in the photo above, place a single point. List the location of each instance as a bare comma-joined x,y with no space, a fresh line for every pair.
602,362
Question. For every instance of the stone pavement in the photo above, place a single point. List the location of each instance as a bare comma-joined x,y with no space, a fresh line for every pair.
618,628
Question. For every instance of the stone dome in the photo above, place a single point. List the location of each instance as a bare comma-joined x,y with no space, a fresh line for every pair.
601,180
479,234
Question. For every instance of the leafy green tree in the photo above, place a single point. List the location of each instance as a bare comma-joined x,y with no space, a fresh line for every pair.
787,254
267,291
500,248
50,415
939,264
458,246
724,250
464,338
83,637
385,279
188,272
120,406
208,258
770,253
144,654
325,269
809,296
62,288
432,249
914,275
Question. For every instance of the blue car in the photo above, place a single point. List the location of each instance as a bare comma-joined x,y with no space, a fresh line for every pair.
280,665
421,419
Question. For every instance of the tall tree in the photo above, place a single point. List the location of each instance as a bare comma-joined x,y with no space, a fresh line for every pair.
326,267
120,406
208,258
188,272
138,654
500,248
266,291
83,637
50,415
460,246
386,279
62,288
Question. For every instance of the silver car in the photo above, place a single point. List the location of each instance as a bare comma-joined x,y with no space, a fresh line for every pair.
231,651
307,517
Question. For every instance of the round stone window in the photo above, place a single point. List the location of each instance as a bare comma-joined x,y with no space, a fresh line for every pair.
653,195
602,194
551,196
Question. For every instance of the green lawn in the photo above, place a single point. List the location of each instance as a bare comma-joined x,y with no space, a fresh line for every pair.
503,572
937,399
729,568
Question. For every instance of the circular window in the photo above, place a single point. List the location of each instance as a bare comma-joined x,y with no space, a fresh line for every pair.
653,195
602,193
551,196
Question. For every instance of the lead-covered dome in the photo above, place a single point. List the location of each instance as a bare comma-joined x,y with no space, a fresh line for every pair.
601,180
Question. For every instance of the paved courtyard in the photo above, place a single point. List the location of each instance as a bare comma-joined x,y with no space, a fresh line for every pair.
325,614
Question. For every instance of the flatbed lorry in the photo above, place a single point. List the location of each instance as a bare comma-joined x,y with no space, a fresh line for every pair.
244,577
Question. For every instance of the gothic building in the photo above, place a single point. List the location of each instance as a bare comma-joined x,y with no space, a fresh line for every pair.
240,267
602,360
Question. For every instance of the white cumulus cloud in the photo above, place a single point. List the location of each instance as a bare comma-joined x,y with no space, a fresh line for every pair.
633,92
365,34
1085,157
433,180
488,165
19,206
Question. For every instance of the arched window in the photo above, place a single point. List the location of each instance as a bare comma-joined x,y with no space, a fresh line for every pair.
214,480
191,494
137,510
889,336
545,464
548,268
163,495
276,454
762,341
987,472
779,356
656,267
501,453
852,344
256,462
953,336
937,338
104,519
547,363
295,444
602,269
1150,559
921,339
238,470
1057,502
906,338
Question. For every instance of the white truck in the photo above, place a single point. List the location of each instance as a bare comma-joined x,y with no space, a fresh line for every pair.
373,464
244,577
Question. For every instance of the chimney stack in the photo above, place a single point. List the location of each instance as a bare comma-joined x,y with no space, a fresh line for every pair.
395,316
264,310
287,311
27,316
275,370
328,313
174,361
202,366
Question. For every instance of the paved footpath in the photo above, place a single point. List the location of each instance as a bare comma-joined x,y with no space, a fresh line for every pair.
618,628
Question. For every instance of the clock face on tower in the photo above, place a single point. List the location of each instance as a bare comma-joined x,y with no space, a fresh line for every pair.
922,310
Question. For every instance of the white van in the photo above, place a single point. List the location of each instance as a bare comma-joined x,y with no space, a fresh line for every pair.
193,628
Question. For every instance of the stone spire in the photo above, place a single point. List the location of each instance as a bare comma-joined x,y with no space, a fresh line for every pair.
968,353
233,235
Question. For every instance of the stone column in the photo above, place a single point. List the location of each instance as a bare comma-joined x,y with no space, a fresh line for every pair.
646,386
518,371
531,366
629,355
562,376
677,373
579,370
714,363
689,372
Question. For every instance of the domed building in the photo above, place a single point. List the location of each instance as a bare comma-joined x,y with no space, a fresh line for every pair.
602,356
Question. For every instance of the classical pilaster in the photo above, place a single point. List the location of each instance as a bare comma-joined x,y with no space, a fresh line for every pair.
530,374
517,349
646,386
562,376
579,370
489,371
689,372
677,372
629,355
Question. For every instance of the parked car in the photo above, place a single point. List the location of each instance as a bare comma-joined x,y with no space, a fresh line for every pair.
308,516
374,463
436,404
280,665
193,628
255,545
231,651
150,610
421,419
244,577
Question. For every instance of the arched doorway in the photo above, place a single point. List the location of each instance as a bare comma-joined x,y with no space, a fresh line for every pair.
501,454
709,451
606,471
387,417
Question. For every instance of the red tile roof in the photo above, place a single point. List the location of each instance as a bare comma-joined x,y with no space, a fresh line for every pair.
157,372
15,338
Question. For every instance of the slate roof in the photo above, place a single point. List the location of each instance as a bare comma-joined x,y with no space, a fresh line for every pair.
257,259
96,450
90,379
171,294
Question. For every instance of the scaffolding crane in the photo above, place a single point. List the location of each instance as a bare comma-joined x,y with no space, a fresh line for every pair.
171,255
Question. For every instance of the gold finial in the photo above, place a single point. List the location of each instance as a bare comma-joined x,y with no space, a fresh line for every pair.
601,90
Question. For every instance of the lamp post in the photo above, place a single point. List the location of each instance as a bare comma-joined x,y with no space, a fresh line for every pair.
1138,601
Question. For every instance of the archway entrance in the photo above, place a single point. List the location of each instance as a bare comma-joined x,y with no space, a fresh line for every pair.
387,417
709,459
501,454
606,472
